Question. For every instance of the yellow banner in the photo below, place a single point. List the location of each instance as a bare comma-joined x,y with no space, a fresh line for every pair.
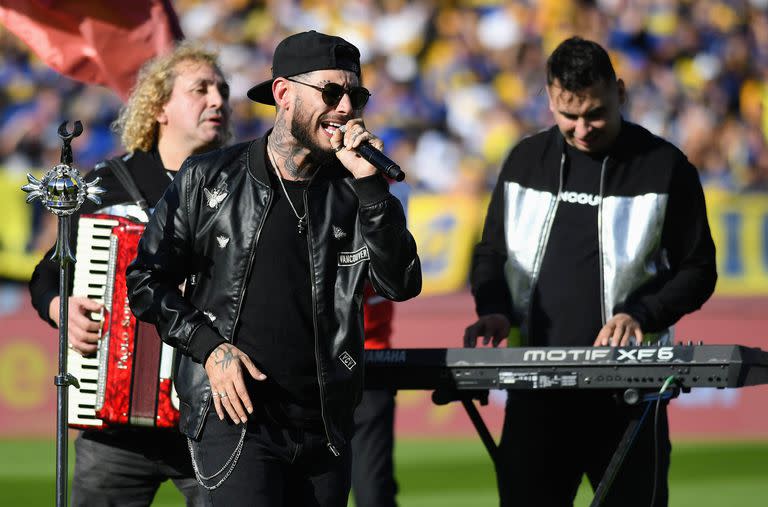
446,229
739,225
16,262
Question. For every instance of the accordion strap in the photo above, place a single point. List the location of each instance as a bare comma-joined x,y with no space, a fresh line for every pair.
120,169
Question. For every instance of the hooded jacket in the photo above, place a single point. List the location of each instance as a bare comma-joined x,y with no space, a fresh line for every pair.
205,231
656,255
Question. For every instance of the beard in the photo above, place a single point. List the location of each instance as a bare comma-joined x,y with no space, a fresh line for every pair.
301,131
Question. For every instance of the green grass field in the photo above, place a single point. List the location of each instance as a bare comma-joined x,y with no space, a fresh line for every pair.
450,473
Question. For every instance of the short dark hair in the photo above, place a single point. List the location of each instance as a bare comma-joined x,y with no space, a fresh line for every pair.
578,64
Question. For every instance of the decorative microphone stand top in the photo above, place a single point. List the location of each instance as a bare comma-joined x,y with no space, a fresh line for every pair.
62,191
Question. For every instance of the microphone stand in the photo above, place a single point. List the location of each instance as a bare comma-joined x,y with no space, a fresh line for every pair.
62,191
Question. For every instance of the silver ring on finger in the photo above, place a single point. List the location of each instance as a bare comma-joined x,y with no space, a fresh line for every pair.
222,395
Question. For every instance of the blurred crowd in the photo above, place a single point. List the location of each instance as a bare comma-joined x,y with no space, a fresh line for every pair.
455,83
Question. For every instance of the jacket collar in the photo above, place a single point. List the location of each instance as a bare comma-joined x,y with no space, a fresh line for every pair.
256,160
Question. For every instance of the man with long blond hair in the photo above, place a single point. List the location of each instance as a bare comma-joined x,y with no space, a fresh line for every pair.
178,107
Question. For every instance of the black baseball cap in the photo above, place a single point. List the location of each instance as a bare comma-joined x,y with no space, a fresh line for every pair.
305,52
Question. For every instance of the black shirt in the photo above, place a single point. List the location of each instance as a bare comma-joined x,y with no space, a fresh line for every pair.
276,326
566,300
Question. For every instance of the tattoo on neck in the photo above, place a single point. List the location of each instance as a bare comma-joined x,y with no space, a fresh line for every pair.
294,158
291,167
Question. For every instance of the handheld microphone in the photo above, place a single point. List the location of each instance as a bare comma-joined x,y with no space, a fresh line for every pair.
378,160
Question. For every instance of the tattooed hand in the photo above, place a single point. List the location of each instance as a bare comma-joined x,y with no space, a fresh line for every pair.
224,367
353,136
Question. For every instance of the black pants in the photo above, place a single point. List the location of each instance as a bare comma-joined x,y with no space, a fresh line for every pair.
126,467
277,467
551,439
373,474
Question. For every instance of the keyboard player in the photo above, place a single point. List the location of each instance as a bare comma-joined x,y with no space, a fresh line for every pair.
596,234
179,107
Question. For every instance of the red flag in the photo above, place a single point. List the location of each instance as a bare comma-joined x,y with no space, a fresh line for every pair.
94,41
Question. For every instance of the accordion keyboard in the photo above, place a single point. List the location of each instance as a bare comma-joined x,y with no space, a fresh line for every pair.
90,279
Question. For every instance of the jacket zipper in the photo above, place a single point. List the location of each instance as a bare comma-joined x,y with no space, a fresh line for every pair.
600,239
543,246
251,255
332,448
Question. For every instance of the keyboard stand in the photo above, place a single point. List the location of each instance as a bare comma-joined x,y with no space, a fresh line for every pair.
631,396
628,440
467,398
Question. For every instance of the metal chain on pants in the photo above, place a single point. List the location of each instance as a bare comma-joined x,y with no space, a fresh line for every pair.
229,465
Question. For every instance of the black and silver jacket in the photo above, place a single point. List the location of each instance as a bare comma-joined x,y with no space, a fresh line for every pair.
205,231
656,255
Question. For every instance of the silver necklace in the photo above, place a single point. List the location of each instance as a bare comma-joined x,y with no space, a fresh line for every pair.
302,224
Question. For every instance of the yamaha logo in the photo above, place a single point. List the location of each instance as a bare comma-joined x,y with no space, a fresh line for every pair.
386,356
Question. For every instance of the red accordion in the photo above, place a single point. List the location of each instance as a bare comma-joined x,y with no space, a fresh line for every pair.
128,382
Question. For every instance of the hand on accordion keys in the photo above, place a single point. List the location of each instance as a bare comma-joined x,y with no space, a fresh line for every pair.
84,332
224,367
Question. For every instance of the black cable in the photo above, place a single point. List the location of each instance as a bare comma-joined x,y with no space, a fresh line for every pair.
664,387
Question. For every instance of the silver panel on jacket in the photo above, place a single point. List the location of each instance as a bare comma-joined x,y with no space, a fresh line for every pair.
630,245
529,210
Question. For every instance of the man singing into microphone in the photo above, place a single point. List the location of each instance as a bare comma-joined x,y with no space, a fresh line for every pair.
275,239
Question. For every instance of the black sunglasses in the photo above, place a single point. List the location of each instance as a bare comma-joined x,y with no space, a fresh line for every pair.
333,92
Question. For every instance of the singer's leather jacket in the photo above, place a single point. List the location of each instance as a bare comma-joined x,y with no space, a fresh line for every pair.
205,231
